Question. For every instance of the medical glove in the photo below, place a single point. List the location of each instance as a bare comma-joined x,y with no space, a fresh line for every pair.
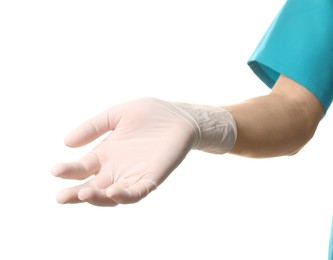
148,139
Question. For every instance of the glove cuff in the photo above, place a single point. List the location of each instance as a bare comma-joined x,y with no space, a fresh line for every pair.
216,129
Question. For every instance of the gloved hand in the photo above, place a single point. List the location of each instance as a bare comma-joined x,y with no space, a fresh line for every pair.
149,138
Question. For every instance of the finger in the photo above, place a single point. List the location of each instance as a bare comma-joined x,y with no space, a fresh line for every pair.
80,170
69,195
96,197
131,194
74,194
92,129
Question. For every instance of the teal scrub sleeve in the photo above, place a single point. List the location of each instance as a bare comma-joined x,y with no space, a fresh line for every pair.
299,45
330,249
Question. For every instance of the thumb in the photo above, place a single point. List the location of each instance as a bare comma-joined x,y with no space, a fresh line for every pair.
93,128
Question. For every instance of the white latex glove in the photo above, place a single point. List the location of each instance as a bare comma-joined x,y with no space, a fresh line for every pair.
149,138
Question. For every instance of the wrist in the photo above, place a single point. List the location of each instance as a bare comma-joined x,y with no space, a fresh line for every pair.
215,127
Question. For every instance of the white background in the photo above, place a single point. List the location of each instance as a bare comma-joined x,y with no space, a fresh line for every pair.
62,62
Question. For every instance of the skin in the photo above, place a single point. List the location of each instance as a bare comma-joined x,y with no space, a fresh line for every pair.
280,123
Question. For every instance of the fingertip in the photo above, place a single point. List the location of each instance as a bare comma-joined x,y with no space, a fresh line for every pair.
68,195
85,194
61,198
82,135
96,197
108,193
68,141
111,192
119,195
57,170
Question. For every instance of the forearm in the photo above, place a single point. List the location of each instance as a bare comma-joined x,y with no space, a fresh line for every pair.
280,123
267,129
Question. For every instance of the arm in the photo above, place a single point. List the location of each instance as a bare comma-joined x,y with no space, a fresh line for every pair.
149,138
280,123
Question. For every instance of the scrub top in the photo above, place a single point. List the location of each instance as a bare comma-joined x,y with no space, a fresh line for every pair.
299,45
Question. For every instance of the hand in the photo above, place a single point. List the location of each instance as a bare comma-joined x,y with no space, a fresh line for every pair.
149,138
